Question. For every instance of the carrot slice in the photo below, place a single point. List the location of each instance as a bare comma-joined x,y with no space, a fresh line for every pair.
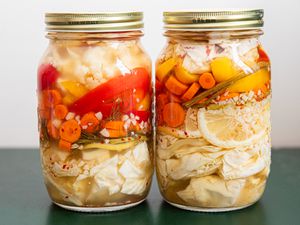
52,130
162,99
173,114
175,86
44,113
89,122
207,81
70,131
51,98
190,93
64,145
60,111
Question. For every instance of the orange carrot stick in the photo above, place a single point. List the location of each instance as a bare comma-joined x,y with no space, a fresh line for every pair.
70,131
60,111
51,98
228,96
175,86
207,80
190,93
116,133
114,125
173,114
64,145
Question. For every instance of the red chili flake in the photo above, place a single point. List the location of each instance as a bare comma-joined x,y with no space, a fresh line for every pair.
185,133
64,166
208,50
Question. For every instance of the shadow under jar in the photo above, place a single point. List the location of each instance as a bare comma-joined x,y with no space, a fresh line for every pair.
94,103
213,110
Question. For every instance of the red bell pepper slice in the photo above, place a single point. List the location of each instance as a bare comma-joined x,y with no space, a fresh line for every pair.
139,78
143,115
263,57
47,76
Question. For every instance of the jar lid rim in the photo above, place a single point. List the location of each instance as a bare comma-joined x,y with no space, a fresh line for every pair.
214,19
93,21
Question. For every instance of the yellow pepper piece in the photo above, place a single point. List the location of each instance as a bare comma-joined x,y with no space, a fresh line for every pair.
222,69
74,88
165,68
184,76
253,81
144,105
68,99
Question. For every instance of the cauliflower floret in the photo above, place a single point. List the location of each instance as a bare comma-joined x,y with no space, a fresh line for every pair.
132,55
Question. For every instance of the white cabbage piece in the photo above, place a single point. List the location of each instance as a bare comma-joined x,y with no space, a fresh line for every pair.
183,147
246,45
106,175
67,196
68,169
95,154
196,59
164,141
133,186
162,172
196,164
191,122
245,162
212,191
134,170
130,170
141,153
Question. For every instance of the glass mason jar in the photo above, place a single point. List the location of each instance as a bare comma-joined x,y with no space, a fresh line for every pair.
94,111
213,110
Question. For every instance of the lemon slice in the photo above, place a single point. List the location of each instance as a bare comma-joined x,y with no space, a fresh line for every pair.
234,126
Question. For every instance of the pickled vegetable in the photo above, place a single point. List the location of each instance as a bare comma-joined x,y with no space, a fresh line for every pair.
213,145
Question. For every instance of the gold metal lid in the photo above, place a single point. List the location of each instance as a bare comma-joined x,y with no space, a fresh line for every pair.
94,22
214,20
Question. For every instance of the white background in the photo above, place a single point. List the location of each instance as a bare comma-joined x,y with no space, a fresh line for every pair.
22,43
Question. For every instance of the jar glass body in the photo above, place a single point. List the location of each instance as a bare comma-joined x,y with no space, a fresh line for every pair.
213,91
94,103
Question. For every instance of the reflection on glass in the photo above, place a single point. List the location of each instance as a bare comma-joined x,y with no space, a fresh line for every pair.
254,214
140,215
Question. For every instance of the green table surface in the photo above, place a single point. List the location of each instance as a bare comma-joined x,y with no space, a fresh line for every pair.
24,200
